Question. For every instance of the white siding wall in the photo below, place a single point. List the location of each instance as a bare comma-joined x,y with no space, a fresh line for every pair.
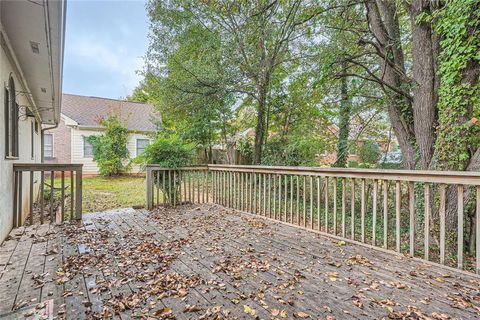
89,166
6,166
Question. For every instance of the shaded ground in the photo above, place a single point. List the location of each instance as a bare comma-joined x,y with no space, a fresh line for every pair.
204,262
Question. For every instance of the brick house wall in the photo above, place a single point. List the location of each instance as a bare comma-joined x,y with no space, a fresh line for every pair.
61,144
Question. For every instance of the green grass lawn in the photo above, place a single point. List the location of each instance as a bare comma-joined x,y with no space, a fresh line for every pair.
104,193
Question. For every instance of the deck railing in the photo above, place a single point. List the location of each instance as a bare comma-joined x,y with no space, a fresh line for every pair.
46,193
430,215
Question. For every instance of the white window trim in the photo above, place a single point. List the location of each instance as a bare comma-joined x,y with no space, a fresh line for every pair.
136,144
83,148
53,146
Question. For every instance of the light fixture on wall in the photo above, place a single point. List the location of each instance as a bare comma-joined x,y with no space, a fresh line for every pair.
35,47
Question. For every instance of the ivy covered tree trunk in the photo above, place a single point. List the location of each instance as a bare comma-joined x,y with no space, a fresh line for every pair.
344,125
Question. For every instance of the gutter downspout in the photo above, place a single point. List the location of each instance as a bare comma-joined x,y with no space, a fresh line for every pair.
42,140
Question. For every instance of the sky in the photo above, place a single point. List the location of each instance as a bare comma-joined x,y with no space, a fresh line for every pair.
104,45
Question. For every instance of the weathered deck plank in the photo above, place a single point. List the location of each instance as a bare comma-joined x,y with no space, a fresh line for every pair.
220,262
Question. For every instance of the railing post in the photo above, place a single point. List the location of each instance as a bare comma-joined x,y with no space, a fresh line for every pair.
149,189
78,193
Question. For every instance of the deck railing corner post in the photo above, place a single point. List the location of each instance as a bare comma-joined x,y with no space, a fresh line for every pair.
78,193
149,188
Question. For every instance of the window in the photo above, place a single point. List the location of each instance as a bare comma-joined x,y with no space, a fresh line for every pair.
141,145
48,145
11,121
87,148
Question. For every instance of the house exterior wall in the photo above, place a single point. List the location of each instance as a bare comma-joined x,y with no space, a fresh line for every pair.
89,166
61,144
25,144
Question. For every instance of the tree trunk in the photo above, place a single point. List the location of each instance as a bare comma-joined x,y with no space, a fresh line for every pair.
344,125
383,23
259,129
425,92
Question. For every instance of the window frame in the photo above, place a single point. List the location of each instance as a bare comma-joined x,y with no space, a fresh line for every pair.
91,147
136,145
53,139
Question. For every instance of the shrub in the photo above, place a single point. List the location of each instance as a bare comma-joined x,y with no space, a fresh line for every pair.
369,152
110,149
168,151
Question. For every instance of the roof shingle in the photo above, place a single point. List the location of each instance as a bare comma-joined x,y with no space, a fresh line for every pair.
87,111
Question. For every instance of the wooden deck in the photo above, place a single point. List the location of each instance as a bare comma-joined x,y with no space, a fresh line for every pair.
206,262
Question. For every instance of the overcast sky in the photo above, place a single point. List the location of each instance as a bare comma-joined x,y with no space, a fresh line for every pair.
104,45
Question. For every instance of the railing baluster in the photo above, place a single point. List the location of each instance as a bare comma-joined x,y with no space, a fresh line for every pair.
304,185
291,199
31,197
477,231
275,196
174,188
385,214
426,233
285,197
352,209
269,195
42,194
411,203
398,199
362,210
280,197
298,201
157,174
199,188
335,206
344,206
374,212
52,194
326,203
311,202
63,195
264,176
71,194
255,198
442,223
164,191
319,204
460,230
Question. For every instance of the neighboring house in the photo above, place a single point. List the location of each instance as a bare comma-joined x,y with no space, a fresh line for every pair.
80,118
385,144
31,63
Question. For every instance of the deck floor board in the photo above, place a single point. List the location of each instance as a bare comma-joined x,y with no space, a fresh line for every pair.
207,261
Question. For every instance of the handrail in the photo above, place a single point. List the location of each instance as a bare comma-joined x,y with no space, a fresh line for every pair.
46,166
448,177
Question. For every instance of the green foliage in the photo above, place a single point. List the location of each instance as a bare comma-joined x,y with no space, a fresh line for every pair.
459,24
369,152
110,149
245,147
295,151
168,151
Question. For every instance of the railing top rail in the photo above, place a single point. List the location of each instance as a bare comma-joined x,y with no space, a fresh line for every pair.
46,166
160,168
448,177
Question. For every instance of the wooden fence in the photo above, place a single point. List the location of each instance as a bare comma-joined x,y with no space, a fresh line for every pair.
419,213
46,193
